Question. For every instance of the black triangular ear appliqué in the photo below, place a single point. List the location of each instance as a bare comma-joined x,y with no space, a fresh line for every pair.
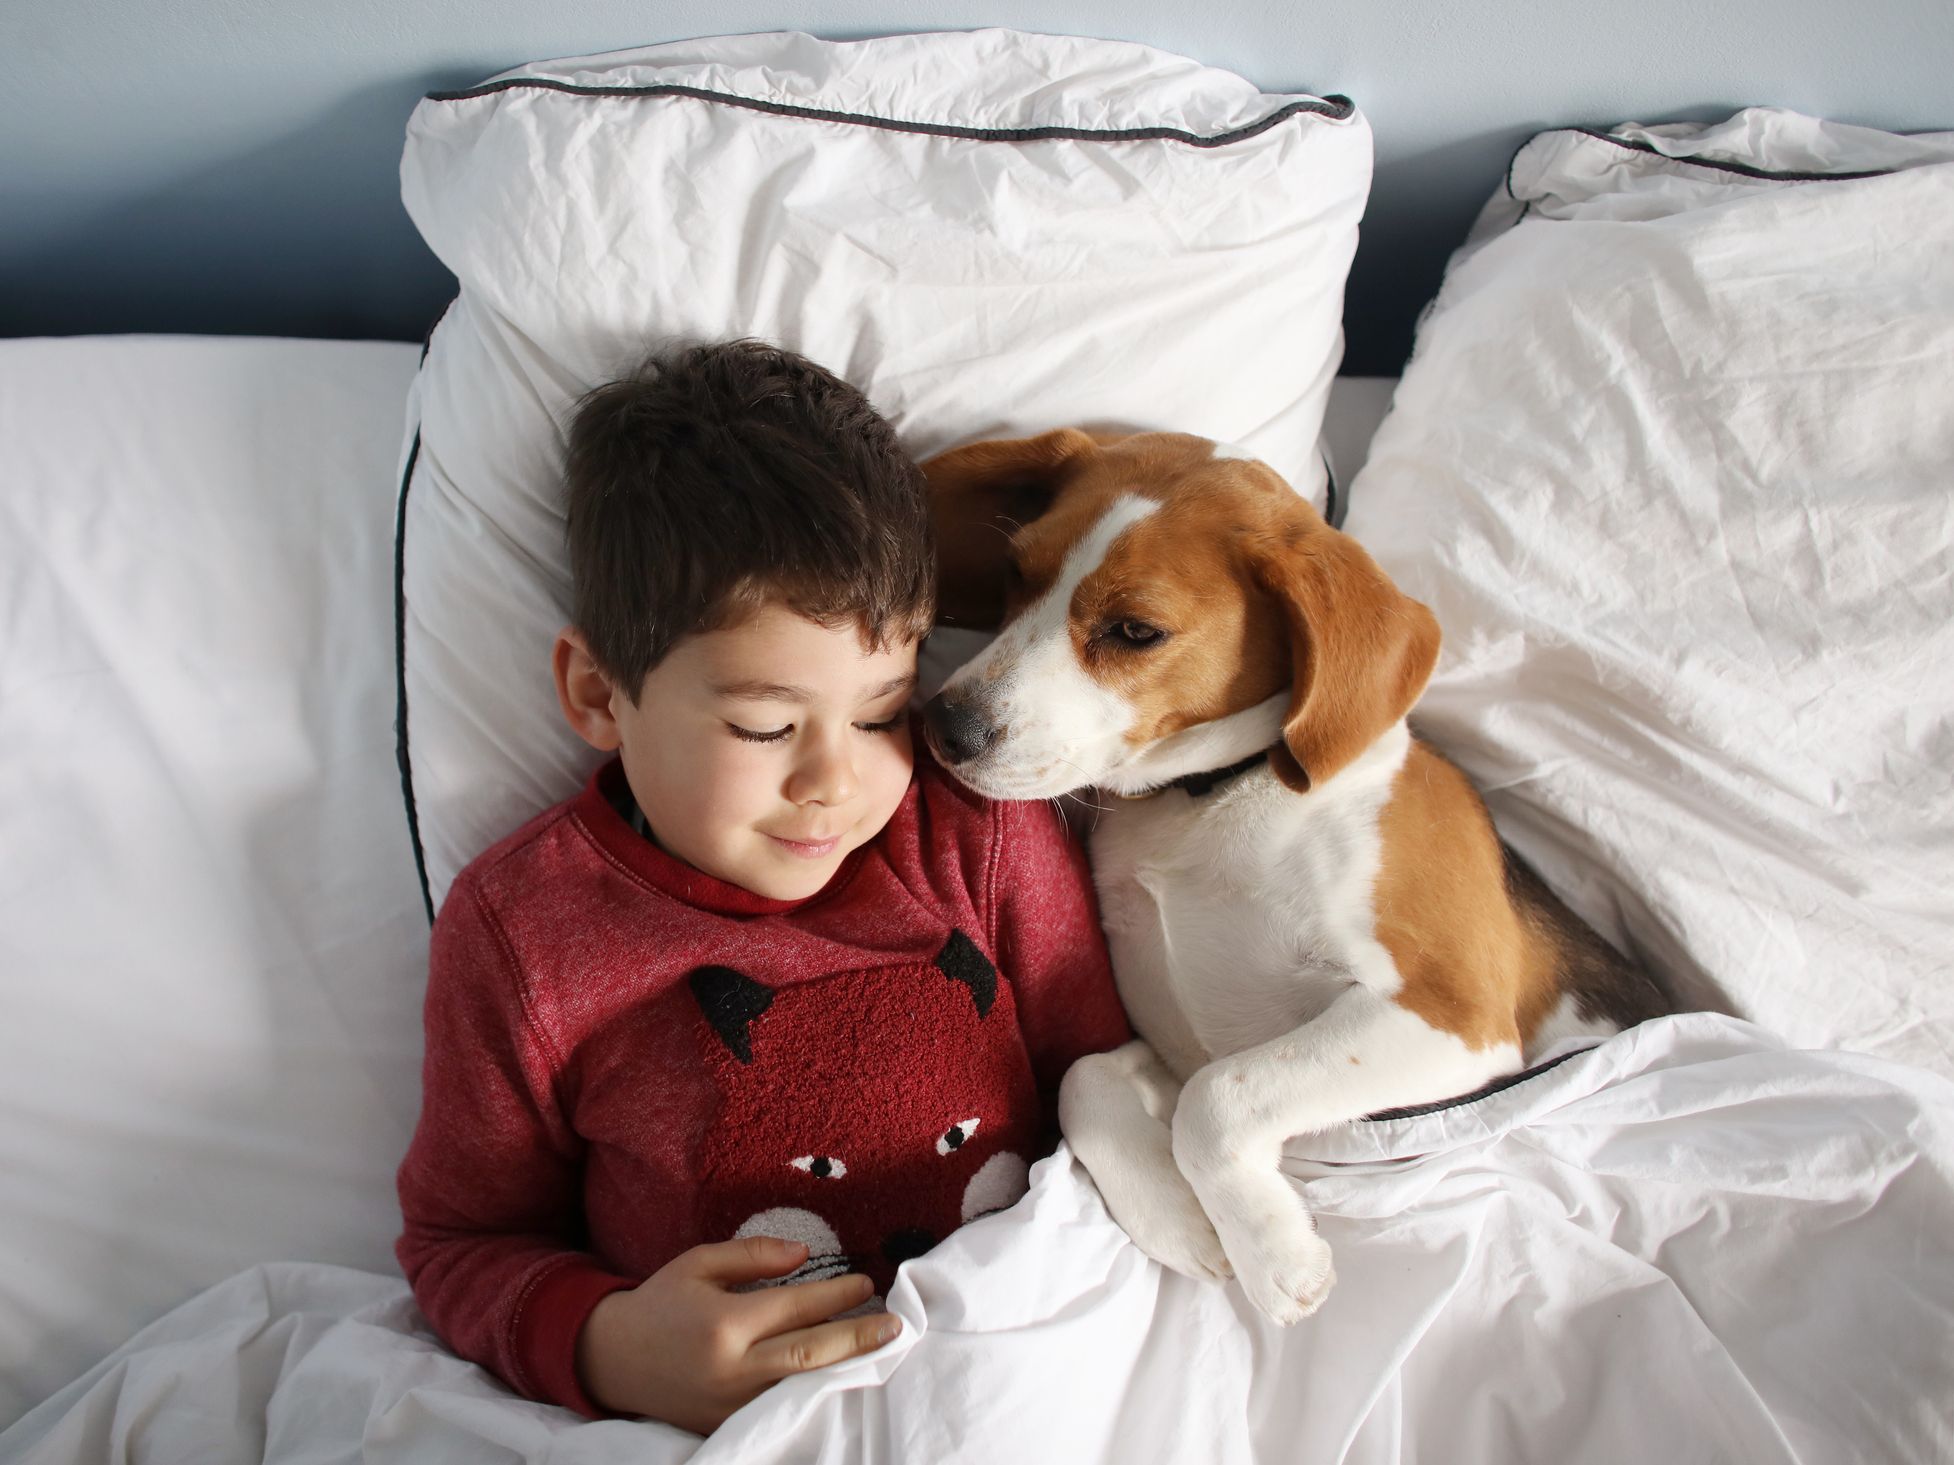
730,1000
961,961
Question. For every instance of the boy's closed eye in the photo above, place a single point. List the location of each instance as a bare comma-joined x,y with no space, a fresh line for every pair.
894,717
774,735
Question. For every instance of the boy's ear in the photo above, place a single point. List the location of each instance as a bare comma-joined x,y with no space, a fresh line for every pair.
583,691
980,495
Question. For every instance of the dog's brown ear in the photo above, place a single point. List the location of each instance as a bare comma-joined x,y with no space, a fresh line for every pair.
1362,650
980,495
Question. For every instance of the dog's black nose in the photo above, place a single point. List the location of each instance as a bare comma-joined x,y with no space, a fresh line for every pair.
911,1241
956,729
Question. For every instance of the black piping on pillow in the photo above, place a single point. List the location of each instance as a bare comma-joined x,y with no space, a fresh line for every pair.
1334,106
1636,145
400,674
400,647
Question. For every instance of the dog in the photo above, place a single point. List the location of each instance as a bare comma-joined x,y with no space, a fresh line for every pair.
1310,915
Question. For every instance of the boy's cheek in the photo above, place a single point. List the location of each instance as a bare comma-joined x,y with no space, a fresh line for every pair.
894,772
695,805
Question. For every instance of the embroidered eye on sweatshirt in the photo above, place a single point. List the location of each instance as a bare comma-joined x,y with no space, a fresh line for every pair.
627,1057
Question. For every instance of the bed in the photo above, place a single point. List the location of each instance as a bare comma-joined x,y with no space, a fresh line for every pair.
1671,463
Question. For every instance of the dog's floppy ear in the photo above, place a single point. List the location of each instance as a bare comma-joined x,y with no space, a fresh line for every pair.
980,495
1362,650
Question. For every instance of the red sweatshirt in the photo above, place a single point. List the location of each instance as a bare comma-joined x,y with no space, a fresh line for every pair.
627,1057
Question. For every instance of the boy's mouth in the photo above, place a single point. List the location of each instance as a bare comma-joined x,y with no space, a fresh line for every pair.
807,849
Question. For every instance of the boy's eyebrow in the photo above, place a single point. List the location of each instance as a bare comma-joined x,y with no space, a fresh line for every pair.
755,691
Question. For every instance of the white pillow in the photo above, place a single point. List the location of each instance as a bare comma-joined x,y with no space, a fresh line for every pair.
1674,464
988,232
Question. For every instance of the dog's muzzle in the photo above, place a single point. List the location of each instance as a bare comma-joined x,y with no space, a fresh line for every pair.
957,731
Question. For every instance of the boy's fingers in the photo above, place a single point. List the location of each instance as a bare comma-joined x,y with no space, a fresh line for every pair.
802,1305
748,1259
817,1347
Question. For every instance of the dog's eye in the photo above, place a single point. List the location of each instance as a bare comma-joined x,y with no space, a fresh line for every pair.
1134,633
953,1138
822,1167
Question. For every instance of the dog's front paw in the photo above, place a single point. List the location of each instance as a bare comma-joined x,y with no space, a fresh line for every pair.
1286,1272
1174,1230
1158,1209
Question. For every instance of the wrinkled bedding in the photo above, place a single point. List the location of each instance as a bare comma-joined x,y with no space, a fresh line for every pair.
1689,1242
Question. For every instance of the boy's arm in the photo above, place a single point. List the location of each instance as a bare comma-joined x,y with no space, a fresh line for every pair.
491,1188
1045,925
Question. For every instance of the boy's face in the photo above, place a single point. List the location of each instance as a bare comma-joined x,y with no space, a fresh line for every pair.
761,753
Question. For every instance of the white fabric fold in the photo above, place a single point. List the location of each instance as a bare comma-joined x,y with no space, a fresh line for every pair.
1689,1242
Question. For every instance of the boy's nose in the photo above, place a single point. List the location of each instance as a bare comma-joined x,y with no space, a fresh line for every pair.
825,777
957,731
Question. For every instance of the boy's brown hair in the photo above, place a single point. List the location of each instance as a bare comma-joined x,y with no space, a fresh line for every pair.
720,478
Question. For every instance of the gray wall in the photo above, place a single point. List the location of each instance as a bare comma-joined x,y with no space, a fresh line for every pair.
230,165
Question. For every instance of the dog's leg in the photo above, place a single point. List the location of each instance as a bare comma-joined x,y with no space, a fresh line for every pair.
1116,1110
1362,1054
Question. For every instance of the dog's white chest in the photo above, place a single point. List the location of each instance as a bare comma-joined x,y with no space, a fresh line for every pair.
1239,914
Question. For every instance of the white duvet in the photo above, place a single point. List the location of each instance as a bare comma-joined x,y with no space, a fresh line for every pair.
1688,1243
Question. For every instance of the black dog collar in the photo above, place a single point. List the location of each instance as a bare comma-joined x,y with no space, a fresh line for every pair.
1198,784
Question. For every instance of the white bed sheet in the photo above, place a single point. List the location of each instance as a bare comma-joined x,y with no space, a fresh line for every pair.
212,943
1689,1243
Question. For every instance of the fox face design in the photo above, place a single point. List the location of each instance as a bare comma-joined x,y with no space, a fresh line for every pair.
867,1114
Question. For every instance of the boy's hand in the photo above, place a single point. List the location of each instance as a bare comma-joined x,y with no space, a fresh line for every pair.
683,1348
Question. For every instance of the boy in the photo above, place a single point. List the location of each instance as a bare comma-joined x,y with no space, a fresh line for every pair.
773,999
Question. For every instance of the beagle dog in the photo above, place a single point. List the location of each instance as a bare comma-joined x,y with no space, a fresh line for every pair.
1310,915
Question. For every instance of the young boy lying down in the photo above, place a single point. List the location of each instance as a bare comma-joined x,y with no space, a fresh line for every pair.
773,1000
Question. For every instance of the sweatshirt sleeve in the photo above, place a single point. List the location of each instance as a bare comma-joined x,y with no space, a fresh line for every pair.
491,1187
1047,935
